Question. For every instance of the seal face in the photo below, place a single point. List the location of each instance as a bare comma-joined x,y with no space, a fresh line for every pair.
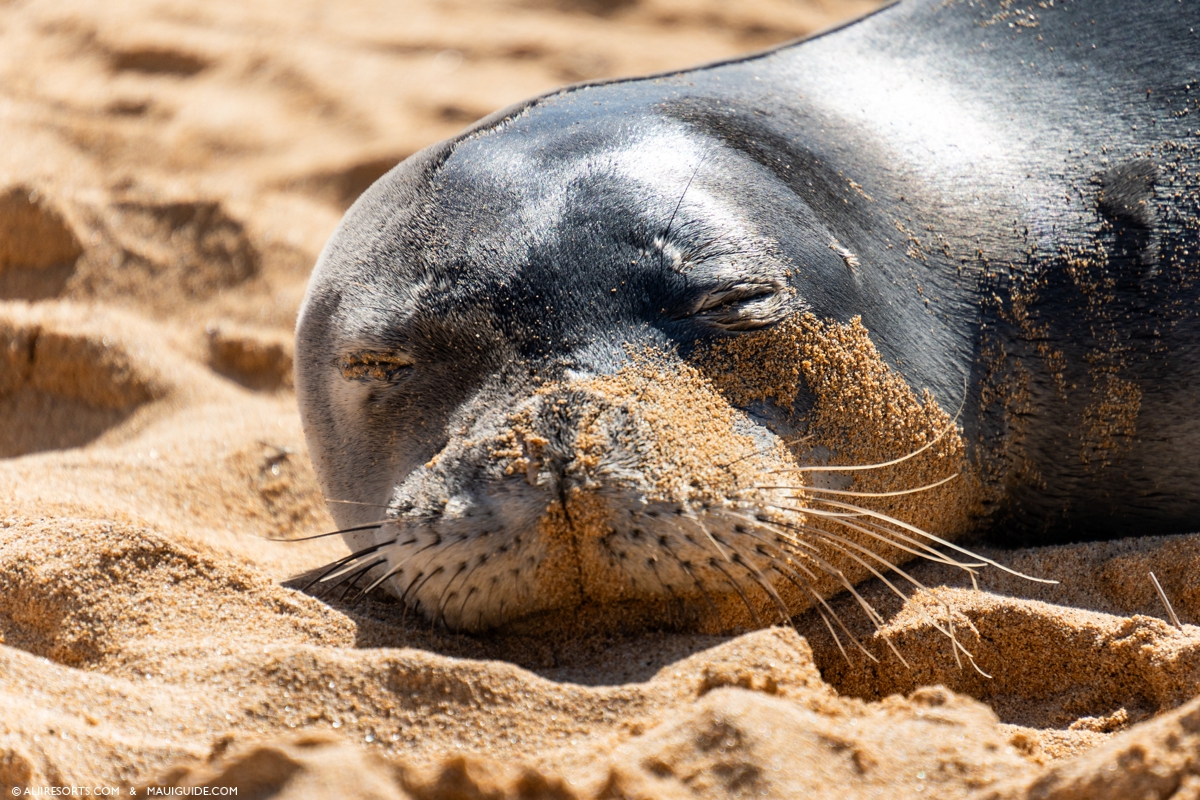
744,335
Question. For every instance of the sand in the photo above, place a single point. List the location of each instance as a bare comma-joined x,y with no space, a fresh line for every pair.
169,172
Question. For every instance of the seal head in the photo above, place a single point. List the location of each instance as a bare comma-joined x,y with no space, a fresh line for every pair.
543,370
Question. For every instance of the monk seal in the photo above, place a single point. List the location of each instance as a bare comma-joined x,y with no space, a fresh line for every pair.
752,332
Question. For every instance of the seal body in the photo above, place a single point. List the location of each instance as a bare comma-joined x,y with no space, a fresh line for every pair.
764,327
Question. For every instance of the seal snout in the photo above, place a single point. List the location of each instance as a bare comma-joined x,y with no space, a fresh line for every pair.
607,488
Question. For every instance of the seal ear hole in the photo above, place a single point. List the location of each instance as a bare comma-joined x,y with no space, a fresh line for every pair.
375,366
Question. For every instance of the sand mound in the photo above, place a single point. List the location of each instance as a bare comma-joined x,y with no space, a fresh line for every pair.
257,358
60,387
186,244
169,174
38,249
89,593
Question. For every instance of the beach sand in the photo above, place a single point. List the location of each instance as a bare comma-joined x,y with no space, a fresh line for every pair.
169,172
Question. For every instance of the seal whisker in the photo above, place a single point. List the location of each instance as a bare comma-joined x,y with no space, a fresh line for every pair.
966,652
386,574
836,640
447,594
933,537
842,544
479,562
885,535
849,493
366,526
877,621
762,581
900,541
337,576
1162,596
823,513
872,615
652,563
462,608
875,618
807,549
503,605
953,425
394,570
667,231
823,607
485,604
686,566
895,538
350,581
879,626
404,597
737,588
931,553
355,559
358,554
810,552
349,574
691,517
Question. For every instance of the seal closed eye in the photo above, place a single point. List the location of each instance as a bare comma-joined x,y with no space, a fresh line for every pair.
728,341
374,366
